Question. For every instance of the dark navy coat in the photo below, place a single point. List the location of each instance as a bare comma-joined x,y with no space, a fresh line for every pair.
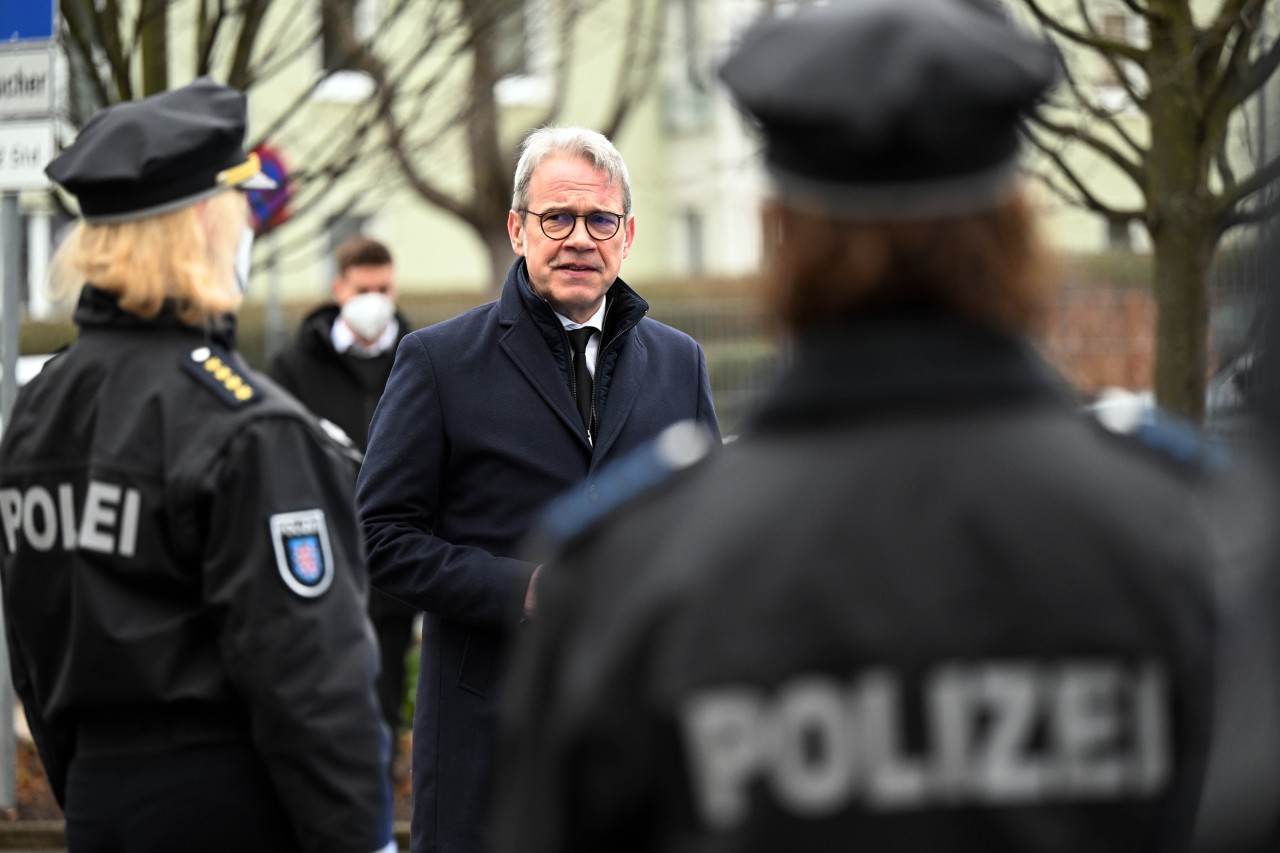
477,430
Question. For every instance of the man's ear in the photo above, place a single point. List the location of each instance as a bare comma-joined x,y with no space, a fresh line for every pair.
515,231
628,235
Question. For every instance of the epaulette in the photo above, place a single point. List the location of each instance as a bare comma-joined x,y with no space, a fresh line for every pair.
1139,418
336,433
212,367
570,516
338,436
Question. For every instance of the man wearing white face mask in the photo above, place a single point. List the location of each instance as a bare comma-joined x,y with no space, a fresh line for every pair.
337,366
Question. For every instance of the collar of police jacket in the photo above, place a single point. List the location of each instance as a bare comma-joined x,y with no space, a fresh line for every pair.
99,308
899,362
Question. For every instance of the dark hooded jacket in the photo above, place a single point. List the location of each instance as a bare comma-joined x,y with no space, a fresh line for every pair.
339,387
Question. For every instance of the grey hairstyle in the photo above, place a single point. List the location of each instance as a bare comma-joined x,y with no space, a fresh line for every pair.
580,142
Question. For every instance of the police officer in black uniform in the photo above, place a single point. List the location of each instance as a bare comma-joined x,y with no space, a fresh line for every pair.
924,602
182,574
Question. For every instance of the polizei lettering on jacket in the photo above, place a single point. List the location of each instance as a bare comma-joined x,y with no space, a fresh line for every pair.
104,520
972,734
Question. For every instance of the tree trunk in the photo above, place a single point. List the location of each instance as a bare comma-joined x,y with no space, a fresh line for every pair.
154,26
490,165
1179,216
1183,253
498,246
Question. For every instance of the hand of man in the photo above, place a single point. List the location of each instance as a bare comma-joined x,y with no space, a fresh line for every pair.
531,596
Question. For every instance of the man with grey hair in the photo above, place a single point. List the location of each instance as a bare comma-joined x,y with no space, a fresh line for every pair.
923,603
488,416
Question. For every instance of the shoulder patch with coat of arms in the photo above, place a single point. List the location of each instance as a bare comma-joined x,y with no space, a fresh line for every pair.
303,554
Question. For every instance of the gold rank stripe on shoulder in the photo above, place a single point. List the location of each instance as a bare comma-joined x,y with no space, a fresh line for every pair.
213,368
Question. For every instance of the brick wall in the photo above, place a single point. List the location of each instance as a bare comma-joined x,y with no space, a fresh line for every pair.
1102,337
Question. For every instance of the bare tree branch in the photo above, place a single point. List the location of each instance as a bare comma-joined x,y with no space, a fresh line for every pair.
208,23
73,16
1119,70
1081,99
1249,216
1134,170
252,12
636,71
1102,45
153,36
1050,181
408,169
1090,200
280,56
106,23
1213,40
1226,173
1261,179
1232,80
1257,75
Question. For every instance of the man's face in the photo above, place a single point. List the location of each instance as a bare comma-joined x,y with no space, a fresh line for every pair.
358,280
572,274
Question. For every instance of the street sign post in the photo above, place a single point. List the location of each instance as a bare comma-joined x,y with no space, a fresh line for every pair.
27,30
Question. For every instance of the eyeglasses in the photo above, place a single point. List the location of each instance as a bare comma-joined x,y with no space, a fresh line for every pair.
559,224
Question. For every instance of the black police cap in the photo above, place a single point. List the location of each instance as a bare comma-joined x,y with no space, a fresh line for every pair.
891,108
143,158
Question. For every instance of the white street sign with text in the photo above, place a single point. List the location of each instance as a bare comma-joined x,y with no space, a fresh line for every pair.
26,83
25,149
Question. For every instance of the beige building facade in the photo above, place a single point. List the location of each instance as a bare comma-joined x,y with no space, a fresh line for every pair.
694,162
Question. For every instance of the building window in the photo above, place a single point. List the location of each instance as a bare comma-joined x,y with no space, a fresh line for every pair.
1114,27
1115,77
1119,235
524,47
510,37
686,101
345,25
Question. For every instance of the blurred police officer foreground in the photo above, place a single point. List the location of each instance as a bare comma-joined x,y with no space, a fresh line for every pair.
1240,809
182,573
925,601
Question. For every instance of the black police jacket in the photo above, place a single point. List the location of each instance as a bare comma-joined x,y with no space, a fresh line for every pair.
344,389
179,546
922,603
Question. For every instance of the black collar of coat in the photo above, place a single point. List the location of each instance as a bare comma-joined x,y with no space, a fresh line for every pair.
900,362
98,308
626,307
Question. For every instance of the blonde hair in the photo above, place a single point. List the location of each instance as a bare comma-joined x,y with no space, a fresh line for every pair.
186,257
988,267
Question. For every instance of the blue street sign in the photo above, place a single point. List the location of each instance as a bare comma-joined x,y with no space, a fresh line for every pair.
26,20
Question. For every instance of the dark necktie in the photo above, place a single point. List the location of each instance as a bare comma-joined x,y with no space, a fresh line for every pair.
582,374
